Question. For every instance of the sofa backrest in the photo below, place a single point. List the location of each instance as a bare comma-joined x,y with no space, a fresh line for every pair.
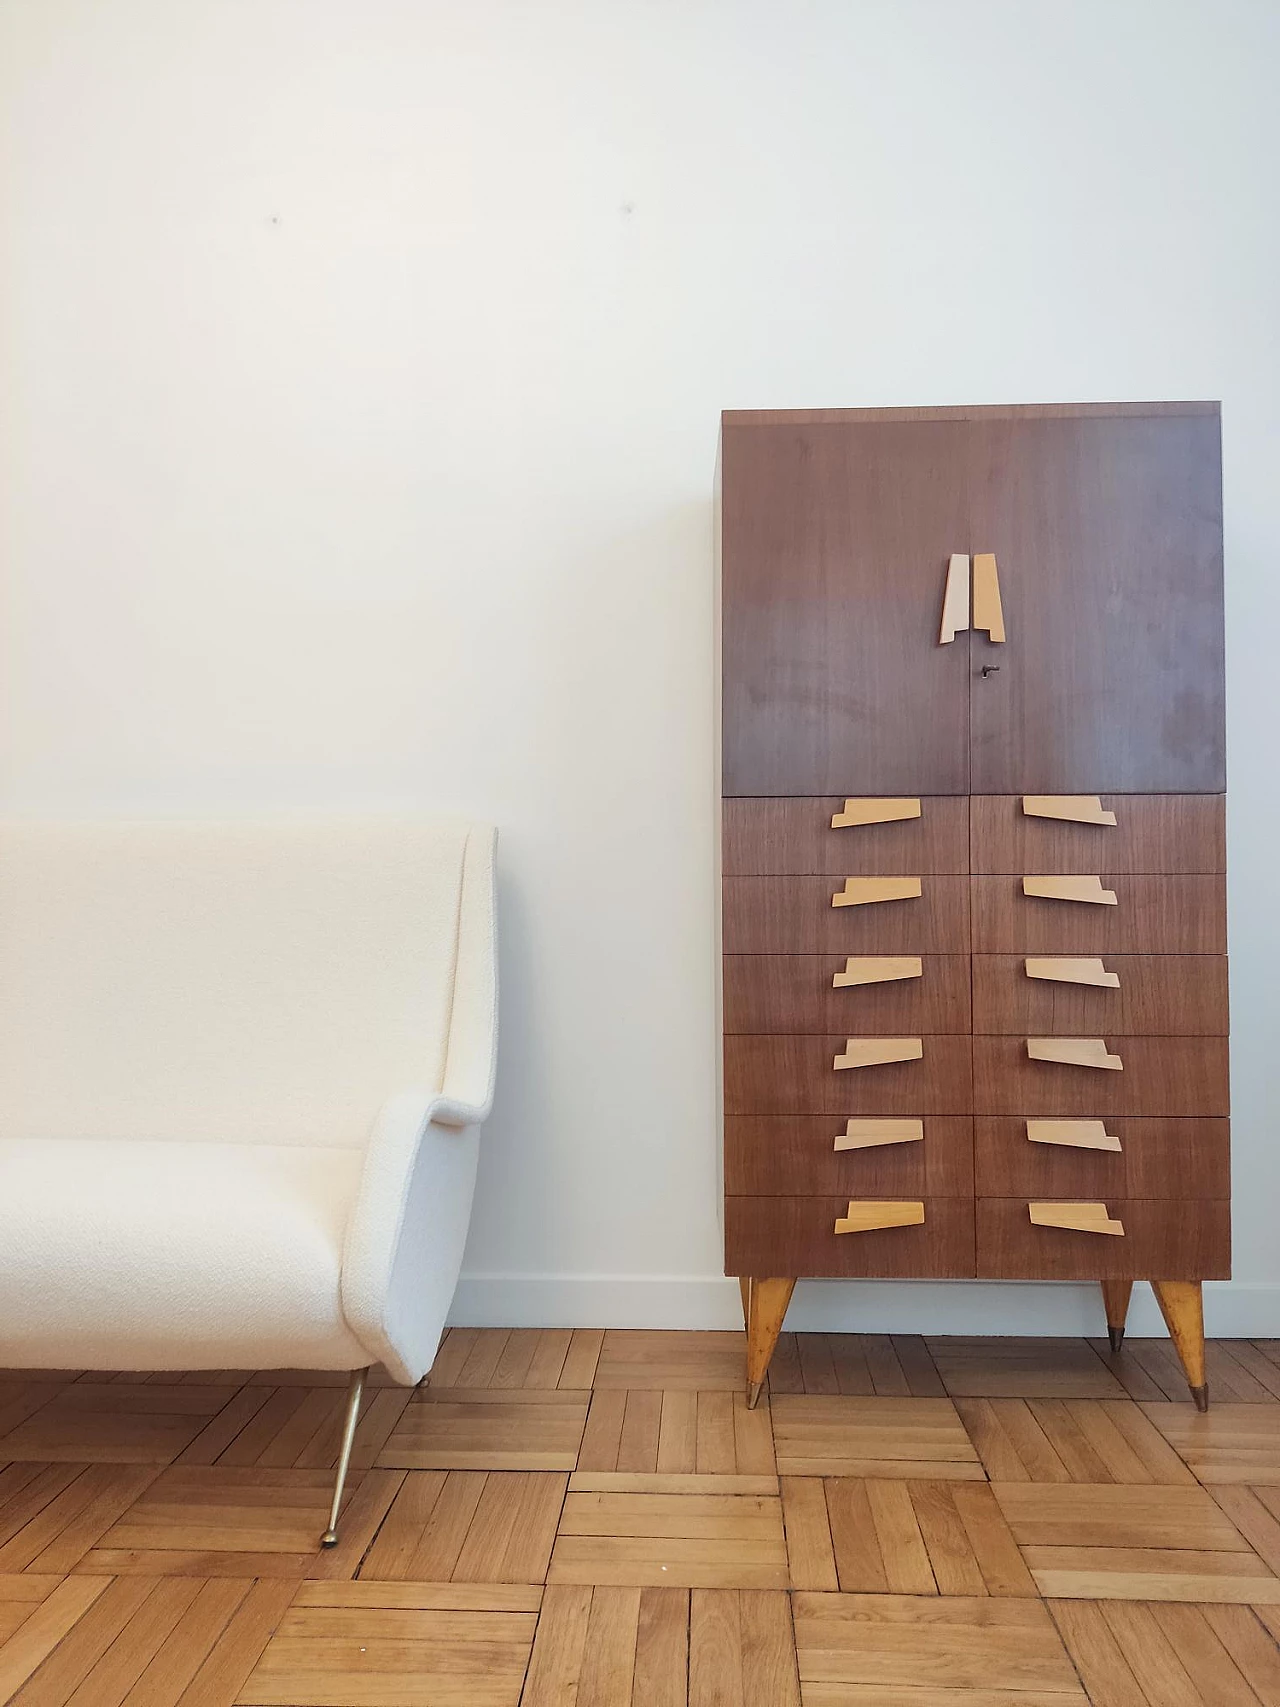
257,981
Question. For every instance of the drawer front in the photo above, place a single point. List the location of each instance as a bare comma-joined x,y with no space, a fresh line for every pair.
1153,833
1158,1158
780,1156
1152,915
796,1235
1160,1075
1163,1240
794,915
795,1075
797,992
1160,994
762,836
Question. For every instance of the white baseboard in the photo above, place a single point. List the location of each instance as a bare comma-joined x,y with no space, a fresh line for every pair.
1234,1309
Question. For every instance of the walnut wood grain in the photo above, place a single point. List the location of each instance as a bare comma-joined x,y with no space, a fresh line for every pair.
1153,834
794,992
1161,1075
1174,994
794,1155
1152,915
1159,1157
762,837
1108,533
794,915
1172,1238
799,1234
794,1075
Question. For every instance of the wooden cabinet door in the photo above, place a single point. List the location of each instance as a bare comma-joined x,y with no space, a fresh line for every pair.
1107,533
834,551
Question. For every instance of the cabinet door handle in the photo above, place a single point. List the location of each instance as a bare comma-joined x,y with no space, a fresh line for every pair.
1070,889
877,969
864,1216
1071,970
955,601
1076,1217
870,1134
857,812
861,891
878,1051
1074,1052
1072,808
988,613
1075,1134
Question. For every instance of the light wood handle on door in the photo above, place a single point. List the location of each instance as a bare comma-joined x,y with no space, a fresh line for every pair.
1072,970
1076,1217
1074,1052
1069,889
878,1051
861,891
870,1134
1072,808
988,613
864,1216
877,969
955,601
1074,1134
857,812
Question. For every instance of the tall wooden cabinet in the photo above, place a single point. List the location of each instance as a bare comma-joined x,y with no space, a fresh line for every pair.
975,1015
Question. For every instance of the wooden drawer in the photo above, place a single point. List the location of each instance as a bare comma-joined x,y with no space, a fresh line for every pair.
794,915
1161,1075
1163,1240
1152,915
1174,994
793,1155
795,1075
781,835
1152,833
796,1235
796,992
1158,1158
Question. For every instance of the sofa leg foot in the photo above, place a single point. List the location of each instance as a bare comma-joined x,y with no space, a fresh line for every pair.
355,1392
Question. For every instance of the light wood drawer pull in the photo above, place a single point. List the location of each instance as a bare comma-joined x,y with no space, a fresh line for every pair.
878,1051
955,601
1073,808
877,969
864,1216
1074,1052
858,812
860,891
1076,1217
1073,971
869,1134
988,613
1076,1134
1069,889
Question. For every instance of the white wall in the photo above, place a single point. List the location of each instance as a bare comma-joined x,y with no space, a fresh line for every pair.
361,369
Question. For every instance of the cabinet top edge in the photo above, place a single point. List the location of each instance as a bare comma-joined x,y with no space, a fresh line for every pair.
963,412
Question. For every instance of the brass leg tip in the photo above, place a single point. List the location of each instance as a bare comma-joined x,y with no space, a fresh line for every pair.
1201,1397
753,1394
329,1538
1116,1336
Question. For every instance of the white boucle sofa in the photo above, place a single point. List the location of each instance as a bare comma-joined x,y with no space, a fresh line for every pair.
243,1066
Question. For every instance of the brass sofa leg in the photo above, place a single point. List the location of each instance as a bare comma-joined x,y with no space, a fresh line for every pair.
355,1392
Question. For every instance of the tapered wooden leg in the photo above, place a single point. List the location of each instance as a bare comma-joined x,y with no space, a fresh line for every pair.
768,1300
1182,1306
1115,1296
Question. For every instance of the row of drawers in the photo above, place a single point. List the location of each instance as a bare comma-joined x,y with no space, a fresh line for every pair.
988,1237
975,915
956,834
1184,994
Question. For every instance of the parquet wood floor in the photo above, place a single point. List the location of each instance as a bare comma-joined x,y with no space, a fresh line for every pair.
588,1518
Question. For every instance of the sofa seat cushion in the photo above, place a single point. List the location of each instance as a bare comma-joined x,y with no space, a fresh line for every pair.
154,1255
